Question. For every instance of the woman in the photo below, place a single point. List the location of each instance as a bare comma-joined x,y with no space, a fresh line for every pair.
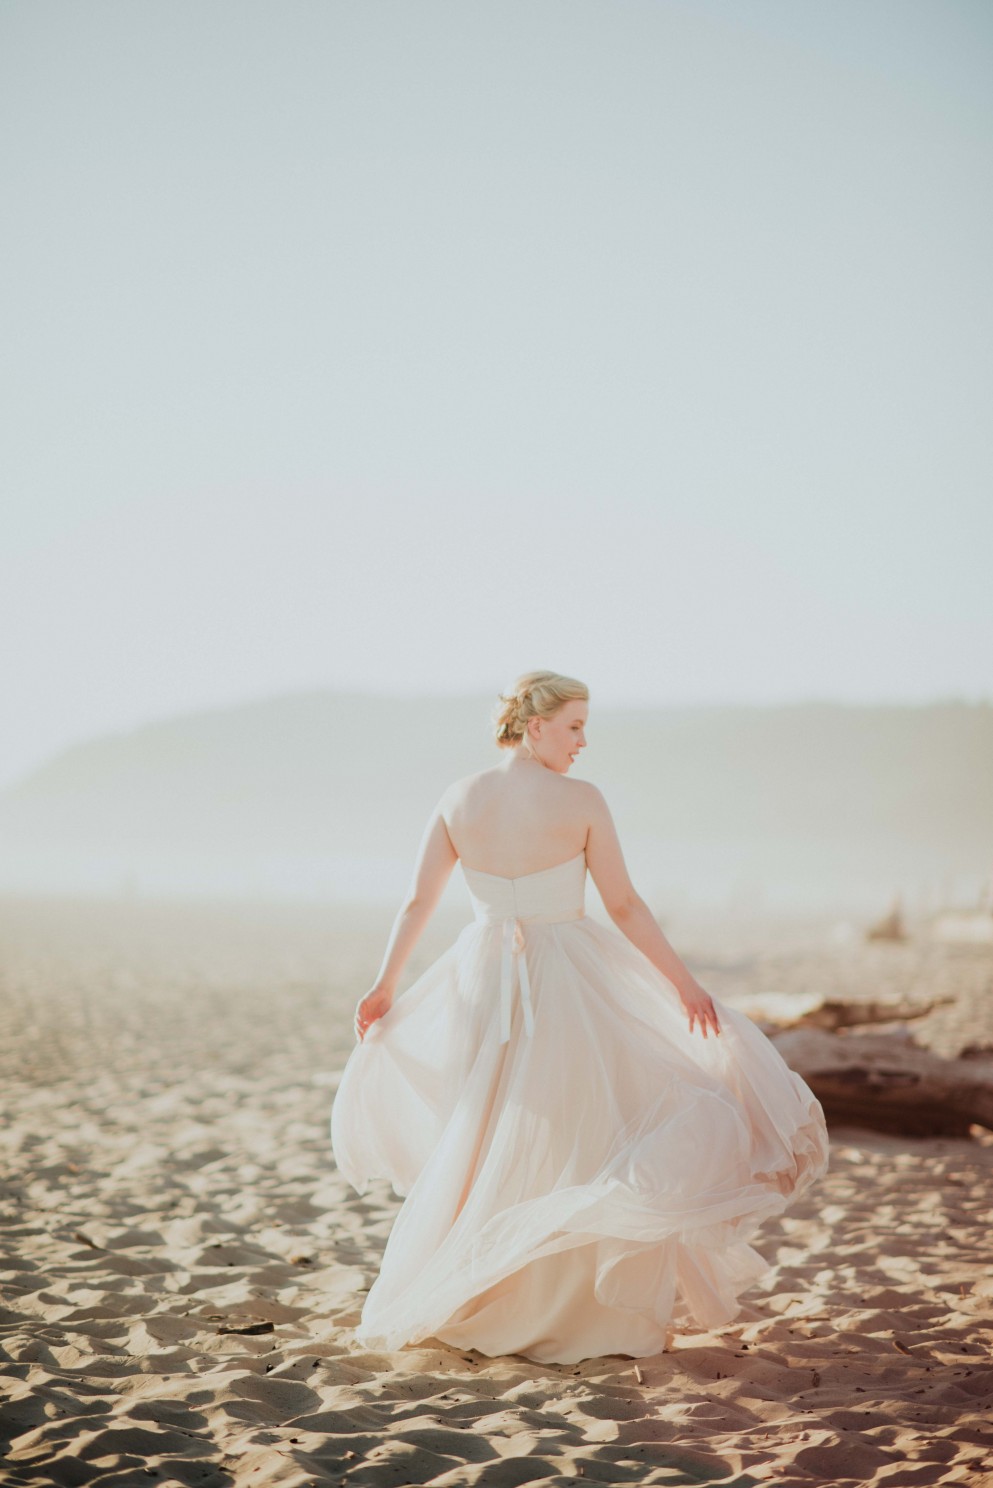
585,1141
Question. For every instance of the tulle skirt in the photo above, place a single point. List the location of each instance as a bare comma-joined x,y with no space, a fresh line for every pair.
580,1189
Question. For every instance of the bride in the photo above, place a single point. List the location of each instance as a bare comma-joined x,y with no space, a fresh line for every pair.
585,1140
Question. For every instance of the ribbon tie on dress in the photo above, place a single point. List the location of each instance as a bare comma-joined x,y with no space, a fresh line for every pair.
513,952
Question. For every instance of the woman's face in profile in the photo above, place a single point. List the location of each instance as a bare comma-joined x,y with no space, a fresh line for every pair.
562,736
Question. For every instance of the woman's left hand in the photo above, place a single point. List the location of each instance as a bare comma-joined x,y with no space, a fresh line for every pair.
699,1008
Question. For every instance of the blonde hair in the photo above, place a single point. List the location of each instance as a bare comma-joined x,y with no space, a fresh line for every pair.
533,695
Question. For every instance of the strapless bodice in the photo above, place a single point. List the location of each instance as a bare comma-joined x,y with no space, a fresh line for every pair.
551,894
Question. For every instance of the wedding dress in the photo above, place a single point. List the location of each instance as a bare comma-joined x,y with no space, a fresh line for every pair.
581,1174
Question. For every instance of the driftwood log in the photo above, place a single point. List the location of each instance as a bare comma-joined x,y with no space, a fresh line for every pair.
889,1084
890,927
775,1011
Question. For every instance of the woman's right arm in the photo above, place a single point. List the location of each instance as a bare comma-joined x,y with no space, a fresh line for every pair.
632,916
436,858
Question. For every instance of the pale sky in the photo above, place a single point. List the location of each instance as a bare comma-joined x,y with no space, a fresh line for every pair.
407,346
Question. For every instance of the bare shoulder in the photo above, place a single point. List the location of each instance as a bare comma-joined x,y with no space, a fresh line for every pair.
583,801
466,786
589,796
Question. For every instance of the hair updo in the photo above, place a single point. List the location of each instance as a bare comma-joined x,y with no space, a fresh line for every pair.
533,695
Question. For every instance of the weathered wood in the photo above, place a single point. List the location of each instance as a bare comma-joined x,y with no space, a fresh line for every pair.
890,927
832,1013
781,1010
889,1084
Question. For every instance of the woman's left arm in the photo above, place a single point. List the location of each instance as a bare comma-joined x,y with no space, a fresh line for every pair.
436,857
632,916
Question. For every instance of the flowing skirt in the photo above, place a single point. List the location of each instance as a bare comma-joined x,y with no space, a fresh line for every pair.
580,1189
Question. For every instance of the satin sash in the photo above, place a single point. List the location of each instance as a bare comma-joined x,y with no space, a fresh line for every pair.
514,957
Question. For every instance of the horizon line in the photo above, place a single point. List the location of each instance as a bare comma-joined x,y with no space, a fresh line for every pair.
948,700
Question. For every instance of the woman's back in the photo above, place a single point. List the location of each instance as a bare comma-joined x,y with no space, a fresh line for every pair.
516,818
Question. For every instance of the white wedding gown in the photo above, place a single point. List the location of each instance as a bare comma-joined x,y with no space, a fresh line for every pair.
580,1172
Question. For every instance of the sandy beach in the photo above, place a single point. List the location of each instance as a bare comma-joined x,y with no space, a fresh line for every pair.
182,1265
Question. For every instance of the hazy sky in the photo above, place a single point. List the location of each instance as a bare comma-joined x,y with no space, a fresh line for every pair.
409,345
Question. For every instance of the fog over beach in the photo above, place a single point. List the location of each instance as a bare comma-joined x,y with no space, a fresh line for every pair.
324,795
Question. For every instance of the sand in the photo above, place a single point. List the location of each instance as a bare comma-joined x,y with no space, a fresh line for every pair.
182,1265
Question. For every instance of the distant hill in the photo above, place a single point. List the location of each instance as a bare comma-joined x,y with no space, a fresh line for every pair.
327,794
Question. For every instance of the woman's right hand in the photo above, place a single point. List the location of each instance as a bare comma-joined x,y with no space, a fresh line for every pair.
372,1006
